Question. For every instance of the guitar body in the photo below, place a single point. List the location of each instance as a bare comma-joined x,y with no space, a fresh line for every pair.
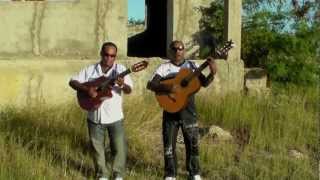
186,83
88,103
103,87
177,100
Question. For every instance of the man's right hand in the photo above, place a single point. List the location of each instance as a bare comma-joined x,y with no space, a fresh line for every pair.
92,92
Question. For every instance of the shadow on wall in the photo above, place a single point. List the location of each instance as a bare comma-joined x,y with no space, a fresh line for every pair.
152,42
211,25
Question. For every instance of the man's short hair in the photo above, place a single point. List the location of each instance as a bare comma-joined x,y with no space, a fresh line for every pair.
175,42
106,44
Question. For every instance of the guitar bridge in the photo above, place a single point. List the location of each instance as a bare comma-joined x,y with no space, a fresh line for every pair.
170,96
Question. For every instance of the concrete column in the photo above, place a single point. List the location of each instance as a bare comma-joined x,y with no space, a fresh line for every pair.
183,23
232,28
233,75
170,23
115,24
39,8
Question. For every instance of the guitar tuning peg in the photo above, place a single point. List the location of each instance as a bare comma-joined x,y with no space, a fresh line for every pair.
232,44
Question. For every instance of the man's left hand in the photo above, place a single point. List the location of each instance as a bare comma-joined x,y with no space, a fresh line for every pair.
120,81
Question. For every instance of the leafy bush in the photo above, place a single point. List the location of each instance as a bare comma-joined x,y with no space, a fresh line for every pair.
294,63
274,37
289,55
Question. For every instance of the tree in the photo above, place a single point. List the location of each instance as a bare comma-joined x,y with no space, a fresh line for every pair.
133,21
281,36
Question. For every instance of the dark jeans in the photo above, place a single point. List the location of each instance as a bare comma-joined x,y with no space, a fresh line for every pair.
187,120
118,146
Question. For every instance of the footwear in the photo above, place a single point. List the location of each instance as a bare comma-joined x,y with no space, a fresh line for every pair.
169,178
103,178
116,176
196,177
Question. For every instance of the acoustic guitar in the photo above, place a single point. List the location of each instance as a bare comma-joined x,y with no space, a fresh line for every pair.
186,83
103,86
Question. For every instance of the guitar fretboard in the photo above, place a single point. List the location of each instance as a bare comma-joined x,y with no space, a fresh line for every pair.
217,54
110,81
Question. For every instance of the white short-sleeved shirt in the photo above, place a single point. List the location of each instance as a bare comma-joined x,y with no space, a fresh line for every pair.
168,69
110,110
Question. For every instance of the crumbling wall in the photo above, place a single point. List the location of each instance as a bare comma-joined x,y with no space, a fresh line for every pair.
64,29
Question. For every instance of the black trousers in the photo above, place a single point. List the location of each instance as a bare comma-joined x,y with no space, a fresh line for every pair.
187,120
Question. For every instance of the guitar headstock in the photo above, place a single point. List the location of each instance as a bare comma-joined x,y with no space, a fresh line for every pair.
223,52
139,66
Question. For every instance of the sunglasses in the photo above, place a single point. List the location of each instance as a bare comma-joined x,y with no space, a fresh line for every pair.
109,55
175,49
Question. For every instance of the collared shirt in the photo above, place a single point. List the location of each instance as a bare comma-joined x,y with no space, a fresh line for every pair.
170,70
111,109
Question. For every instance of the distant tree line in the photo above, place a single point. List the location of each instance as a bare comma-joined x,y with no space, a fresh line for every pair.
281,36
133,21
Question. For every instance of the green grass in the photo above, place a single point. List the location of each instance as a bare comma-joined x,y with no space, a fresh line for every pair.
45,142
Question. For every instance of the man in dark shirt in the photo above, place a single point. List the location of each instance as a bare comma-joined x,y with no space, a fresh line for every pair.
186,118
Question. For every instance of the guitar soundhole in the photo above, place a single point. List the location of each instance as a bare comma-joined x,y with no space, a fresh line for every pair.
184,83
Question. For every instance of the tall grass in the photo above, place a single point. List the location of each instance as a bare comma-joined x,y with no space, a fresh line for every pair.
45,142
272,126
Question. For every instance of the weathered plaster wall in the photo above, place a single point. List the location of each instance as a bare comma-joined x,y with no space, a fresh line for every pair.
16,22
232,32
232,27
115,23
46,80
59,31
184,16
25,82
183,20
67,29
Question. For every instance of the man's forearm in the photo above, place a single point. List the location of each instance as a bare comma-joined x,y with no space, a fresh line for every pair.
78,86
155,85
205,81
158,87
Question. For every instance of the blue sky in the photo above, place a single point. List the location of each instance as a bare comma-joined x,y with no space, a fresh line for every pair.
136,9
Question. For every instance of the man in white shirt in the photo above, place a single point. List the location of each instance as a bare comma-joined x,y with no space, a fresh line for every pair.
108,117
186,118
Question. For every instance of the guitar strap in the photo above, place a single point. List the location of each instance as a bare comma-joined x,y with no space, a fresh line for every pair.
114,72
96,69
192,65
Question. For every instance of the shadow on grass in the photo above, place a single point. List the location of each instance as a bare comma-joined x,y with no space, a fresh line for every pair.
29,129
41,131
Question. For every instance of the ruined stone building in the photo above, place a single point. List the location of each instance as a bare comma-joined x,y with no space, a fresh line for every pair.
67,32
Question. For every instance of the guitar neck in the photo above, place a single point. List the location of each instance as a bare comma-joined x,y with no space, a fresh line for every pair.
124,73
215,54
221,53
198,71
110,81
